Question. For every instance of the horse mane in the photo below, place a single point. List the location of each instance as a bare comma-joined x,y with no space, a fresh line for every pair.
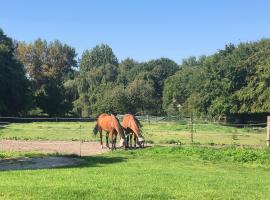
121,132
138,122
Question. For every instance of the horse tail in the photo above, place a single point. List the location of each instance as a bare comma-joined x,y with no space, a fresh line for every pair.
96,129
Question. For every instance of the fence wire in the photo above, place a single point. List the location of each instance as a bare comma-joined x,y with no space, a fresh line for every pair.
181,130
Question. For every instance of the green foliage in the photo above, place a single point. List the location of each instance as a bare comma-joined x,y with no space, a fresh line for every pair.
233,80
180,91
14,87
100,55
109,98
51,99
48,67
96,77
105,86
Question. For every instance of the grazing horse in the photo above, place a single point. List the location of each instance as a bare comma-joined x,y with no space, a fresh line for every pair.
132,126
110,124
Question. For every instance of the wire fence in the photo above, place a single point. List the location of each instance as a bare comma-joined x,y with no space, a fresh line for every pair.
156,129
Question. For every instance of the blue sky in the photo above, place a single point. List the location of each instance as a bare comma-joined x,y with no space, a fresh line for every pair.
141,29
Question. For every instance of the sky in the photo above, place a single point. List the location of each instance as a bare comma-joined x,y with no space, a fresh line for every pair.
139,29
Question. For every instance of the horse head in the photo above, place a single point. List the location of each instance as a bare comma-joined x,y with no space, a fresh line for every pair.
122,142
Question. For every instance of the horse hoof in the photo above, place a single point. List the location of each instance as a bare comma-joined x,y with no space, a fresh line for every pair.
101,146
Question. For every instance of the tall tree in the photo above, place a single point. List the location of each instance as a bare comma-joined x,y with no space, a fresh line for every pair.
98,56
14,86
97,66
48,65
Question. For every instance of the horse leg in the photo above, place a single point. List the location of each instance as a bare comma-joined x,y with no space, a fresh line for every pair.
130,140
135,141
127,138
114,140
100,135
107,139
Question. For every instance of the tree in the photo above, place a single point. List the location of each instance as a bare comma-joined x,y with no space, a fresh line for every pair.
111,98
232,81
124,70
51,99
98,67
14,86
141,97
96,57
180,87
48,66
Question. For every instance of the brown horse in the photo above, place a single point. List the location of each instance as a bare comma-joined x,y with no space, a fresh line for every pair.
110,124
132,126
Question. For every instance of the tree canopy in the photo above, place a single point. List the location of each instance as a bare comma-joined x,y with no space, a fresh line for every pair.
14,86
48,66
233,80
47,78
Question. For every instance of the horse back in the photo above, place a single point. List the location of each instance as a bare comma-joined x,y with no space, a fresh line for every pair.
129,122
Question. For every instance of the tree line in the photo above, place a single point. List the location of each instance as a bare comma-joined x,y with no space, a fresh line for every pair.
47,78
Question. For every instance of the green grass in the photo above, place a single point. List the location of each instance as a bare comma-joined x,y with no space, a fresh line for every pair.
16,154
155,132
173,132
151,173
48,131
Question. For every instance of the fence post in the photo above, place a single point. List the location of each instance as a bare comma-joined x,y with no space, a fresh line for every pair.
80,140
268,132
148,119
192,130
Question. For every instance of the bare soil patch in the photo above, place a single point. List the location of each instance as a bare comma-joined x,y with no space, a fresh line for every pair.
61,147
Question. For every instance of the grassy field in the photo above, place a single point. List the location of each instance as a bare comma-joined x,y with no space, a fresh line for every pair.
151,173
155,132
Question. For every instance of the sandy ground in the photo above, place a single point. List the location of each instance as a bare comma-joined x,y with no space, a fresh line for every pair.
62,147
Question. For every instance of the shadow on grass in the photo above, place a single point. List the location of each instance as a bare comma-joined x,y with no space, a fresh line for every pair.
3,126
49,162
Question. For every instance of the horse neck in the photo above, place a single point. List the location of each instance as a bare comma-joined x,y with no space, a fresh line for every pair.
135,127
117,126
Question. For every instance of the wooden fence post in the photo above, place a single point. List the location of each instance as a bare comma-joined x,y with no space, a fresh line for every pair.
268,132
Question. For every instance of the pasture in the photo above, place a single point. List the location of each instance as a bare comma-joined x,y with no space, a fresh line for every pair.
151,173
155,132
180,171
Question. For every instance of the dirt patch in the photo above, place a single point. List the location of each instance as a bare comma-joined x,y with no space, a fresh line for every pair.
38,163
62,147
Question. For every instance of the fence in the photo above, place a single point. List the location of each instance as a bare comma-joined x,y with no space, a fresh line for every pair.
157,129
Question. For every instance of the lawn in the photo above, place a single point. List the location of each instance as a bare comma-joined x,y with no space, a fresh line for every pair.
151,173
154,132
